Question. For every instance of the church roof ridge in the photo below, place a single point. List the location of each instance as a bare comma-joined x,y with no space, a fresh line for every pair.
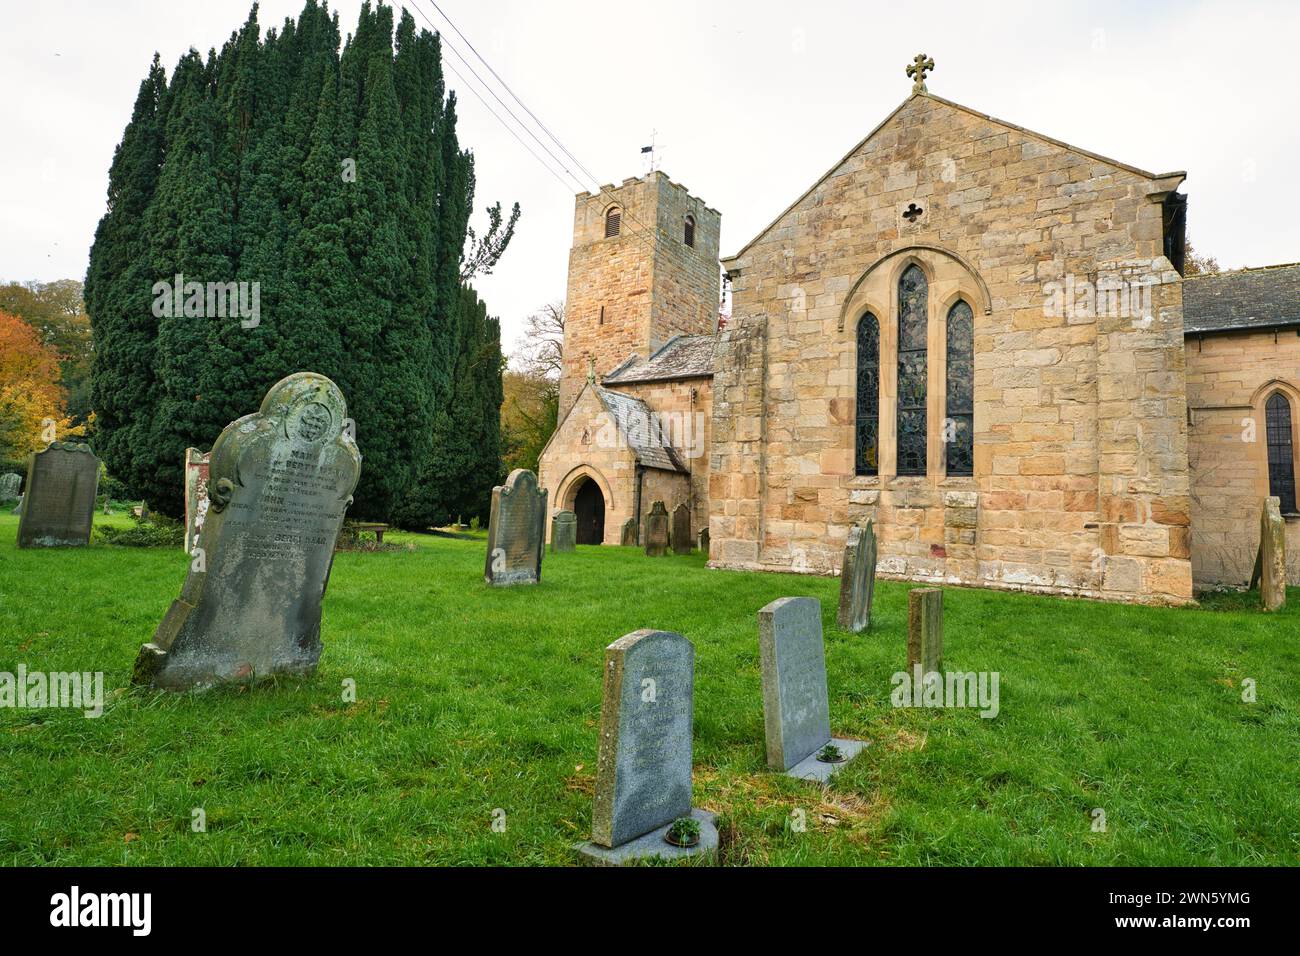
1231,272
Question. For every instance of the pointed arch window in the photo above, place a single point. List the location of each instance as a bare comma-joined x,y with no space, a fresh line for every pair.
1281,455
958,431
913,309
688,231
613,222
867,453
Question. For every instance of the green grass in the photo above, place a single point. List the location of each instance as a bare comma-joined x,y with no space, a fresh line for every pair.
473,699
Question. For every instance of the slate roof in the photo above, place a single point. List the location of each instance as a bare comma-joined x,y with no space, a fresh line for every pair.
682,356
1264,298
640,430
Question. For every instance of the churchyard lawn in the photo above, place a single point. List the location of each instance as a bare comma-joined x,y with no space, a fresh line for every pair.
472,699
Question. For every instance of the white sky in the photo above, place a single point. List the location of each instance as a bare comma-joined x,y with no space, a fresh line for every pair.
753,100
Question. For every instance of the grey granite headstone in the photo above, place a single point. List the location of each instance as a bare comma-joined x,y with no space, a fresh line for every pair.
796,711
196,495
281,481
59,504
682,529
857,580
564,531
516,531
9,485
643,771
656,530
627,538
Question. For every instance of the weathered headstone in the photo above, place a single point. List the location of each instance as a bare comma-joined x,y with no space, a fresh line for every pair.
857,580
627,538
516,531
643,771
796,711
1270,559
9,485
682,529
925,629
196,495
280,483
564,531
59,504
656,530
704,541
18,508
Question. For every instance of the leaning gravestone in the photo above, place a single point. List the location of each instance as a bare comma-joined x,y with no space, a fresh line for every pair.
196,495
280,484
9,485
628,536
796,711
682,529
59,504
656,530
643,771
925,630
1270,559
516,531
857,580
564,531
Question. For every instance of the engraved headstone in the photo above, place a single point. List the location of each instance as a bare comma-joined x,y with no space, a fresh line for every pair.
925,629
796,711
857,580
516,531
627,537
9,485
564,531
682,529
280,483
643,771
196,495
656,530
58,506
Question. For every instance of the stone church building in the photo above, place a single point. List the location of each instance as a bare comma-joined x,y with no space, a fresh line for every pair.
974,335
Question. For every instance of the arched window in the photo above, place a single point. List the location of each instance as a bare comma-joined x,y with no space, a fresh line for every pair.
867,454
958,429
1281,456
613,221
688,231
913,294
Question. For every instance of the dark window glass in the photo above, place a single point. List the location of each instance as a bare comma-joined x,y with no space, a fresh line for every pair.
689,231
1281,457
913,293
868,410
613,222
958,433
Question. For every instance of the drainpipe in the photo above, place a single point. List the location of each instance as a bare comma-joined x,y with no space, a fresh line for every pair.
636,500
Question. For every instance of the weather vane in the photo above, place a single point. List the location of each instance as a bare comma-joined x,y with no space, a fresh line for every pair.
917,69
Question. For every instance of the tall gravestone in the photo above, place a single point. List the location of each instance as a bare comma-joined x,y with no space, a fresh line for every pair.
1270,559
925,630
9,485
704,541
564,531
516,531
627,537
196,495
58,506
682,529
656,530
857,580
796,710
643,771
280,483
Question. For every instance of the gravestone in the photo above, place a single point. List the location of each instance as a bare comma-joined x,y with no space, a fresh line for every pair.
516,531
643,771
9,485
627,538
564,531
1270,559
925,629
59,504
796,711
196,495
857,580
18,508
681,536
280,483
656,530
704,541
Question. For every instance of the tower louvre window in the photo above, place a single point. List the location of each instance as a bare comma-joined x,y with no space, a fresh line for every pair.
688,232
613,222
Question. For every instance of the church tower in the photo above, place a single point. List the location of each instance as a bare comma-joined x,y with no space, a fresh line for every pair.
643,268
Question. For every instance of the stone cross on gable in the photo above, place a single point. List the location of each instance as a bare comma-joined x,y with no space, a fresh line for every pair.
917,69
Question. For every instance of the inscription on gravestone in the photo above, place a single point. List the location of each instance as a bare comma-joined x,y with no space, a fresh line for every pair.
656,530
516,531
58,506
564,531
857,580
280,483
682,529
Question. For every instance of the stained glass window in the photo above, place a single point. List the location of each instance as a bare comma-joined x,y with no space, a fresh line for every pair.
958,429
913,292
1281,458
868,416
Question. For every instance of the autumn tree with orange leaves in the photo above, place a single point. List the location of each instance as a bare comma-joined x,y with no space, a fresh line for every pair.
33,406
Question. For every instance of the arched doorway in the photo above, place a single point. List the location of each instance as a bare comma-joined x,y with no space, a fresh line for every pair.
589,506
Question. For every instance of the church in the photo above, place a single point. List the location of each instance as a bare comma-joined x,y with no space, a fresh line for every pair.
975,336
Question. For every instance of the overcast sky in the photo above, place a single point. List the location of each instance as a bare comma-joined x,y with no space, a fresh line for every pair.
752,102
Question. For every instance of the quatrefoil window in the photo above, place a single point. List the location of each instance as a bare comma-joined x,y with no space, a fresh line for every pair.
913,212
